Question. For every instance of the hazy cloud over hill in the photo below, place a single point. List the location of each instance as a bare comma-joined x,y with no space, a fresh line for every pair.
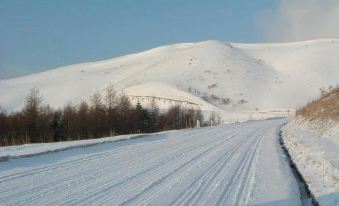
300,20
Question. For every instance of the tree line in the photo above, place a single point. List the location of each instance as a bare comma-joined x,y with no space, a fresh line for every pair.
106,114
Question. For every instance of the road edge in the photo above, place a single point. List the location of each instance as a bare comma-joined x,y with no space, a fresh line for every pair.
9,157
295,170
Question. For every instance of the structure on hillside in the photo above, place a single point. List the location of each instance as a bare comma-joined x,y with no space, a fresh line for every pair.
164,100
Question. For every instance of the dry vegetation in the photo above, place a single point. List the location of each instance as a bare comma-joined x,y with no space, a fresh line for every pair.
324,108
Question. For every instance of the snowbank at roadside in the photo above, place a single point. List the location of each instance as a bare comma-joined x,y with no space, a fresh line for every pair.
27,150
314,147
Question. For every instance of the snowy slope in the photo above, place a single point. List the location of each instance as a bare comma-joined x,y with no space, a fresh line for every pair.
235,164
164,91
304,67
213,74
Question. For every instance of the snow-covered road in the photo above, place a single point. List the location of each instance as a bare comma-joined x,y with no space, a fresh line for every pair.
236,164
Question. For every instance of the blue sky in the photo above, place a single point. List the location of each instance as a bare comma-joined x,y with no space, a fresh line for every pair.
37,35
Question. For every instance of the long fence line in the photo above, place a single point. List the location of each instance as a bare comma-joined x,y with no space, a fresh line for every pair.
148,98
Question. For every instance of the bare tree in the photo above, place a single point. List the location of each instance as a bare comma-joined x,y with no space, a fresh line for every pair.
4,127
100,116
199,116
83,119
124,109
31,113
97,115
111,104
110,97
69,121
213,119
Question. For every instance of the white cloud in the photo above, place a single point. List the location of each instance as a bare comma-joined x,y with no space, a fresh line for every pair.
297,20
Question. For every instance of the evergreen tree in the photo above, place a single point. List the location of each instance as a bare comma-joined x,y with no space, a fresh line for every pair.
138,118
154,114
58,126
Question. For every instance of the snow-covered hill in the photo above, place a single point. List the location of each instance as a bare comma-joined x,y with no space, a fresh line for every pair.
212,74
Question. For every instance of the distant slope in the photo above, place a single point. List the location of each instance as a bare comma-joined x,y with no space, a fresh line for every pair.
303,67
213,74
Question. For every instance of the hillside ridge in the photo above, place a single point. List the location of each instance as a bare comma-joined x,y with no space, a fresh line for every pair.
222,76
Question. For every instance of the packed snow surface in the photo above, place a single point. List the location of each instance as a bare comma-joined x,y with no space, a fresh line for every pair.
316,154
234,164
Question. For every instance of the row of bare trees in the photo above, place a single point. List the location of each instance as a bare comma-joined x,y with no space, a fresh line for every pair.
103,115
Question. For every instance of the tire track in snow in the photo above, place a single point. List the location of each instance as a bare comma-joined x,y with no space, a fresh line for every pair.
96,190
195,161
74,164
207,166
162,170
221,178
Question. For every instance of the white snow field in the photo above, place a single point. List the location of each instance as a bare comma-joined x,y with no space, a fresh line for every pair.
240,79
234,164
314,147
